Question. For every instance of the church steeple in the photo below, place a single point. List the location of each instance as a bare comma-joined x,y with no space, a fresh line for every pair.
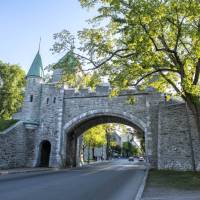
36,68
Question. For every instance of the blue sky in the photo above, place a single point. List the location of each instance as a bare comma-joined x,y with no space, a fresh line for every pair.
22,23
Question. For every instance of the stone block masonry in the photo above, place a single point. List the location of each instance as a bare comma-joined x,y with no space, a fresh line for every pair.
60,116
13,147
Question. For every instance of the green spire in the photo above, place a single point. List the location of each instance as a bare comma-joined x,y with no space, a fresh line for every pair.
36,68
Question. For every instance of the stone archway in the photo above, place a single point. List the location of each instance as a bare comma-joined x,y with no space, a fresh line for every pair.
45,150
81,123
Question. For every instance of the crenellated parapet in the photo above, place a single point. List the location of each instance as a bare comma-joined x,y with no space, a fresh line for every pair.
101,91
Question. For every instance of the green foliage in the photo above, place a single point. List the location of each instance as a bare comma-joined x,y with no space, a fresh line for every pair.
11,92
102,135
129,150
99,135
142,143
147,43
95,137
116,149
174,179
4,124
70,63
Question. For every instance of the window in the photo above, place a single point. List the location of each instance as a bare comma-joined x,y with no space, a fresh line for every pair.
47,100
31,98
54,100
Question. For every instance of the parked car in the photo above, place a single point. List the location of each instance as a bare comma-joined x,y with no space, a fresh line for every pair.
136,157
131,158
141,158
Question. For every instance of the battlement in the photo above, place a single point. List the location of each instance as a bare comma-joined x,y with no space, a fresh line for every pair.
100,91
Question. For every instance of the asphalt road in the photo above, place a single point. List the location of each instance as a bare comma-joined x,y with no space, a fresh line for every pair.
115,180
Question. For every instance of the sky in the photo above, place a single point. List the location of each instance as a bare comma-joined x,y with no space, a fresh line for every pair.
23,22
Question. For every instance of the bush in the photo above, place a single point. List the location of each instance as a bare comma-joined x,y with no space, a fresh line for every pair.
4,124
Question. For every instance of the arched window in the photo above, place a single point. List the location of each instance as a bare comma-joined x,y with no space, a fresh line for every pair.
47,100
31,98
54,100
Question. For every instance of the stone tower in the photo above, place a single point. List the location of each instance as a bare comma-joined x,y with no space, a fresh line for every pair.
32,99
68,61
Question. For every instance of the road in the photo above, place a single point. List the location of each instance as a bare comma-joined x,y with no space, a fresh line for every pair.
115,180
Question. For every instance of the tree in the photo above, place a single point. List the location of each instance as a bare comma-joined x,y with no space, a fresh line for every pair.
98,136
146,38
109,130
11,90
94,137
129,150
116,149
140,136
145,43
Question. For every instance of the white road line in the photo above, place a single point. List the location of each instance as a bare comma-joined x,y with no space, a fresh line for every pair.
96,171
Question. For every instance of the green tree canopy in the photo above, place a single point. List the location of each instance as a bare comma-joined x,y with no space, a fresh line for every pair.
11,90
128,149
95,137
144,43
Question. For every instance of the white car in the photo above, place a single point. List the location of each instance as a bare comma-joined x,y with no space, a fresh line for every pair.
141,158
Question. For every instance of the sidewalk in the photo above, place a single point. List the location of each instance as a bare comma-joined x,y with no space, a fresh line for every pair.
41,169
160,193
24,170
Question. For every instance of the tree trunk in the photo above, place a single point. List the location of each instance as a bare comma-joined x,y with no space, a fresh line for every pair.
93,157
102,152
88,154
107,146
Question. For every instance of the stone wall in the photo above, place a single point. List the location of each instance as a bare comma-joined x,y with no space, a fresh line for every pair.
12,147
195,141
152,102
56,112
31,108
50,119
75,104
174,149
79,105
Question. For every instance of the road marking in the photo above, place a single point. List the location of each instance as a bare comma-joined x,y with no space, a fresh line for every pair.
96,171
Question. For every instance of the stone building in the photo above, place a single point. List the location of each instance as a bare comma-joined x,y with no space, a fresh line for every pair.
52,118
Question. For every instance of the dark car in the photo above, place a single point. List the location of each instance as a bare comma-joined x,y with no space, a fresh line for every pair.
131,158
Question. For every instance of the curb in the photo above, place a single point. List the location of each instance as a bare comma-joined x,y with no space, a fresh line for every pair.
142,186
3,173
7,172
95,163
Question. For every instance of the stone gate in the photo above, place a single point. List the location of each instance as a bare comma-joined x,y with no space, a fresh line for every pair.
56,117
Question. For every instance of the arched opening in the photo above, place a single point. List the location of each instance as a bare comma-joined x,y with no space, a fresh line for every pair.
80,126
45,150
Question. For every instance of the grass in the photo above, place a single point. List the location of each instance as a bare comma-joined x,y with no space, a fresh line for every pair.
4,124
174,179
